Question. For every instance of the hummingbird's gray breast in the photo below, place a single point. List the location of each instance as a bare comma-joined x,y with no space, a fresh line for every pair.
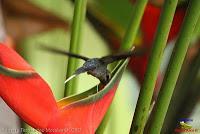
98,69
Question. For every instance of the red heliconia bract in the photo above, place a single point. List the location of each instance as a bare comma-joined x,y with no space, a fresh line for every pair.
30,97
83,117
33,101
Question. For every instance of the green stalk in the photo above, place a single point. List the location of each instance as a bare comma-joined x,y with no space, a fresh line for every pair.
187,89
133,27
182,90
196,33
127,43
174,66
146,93
77,24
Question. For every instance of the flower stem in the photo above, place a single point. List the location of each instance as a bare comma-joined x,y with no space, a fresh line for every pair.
181,103
133,27
143,104
174,66
127,43
77,24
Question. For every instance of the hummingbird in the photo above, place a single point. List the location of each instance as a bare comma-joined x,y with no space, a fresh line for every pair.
96,67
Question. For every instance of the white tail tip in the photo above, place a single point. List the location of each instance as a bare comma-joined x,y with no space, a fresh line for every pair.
71,77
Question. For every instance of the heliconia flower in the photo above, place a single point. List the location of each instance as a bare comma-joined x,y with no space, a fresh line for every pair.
27,94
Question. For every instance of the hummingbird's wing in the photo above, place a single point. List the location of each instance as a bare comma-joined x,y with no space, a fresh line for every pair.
58,51
112,58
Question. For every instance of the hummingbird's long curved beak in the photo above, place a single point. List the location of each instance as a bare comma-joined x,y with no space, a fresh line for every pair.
71,77
77,72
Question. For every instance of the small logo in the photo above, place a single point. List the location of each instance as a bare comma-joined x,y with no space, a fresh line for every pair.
185,126
184,123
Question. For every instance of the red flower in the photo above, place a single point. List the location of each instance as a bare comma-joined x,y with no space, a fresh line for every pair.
31,98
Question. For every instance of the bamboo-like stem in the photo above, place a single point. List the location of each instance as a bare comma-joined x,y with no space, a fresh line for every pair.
188,88
197,29
143,104
174,66
179,94
127,43
181,100
133,27
77,24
